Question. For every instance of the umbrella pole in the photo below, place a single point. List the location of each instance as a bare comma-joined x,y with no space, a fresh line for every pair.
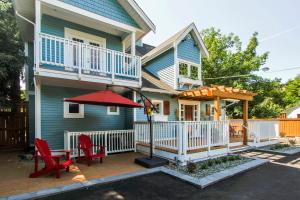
151,137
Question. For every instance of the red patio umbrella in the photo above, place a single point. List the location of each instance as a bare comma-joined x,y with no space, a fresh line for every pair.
105,98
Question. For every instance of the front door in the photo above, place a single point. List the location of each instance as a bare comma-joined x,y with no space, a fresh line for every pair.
189,113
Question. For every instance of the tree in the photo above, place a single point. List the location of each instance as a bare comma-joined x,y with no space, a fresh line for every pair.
11,55
292,92
228,58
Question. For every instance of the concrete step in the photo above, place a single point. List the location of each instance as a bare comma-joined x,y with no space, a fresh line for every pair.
240,148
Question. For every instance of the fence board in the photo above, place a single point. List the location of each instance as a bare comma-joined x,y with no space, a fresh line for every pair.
289,127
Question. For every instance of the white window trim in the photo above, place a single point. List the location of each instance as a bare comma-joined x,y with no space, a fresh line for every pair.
70,33
113,113
73,115
191,103
189,64
160,116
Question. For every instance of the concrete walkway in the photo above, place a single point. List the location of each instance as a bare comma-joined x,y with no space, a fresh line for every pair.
279,179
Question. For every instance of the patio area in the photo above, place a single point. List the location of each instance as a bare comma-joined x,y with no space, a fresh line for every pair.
14,172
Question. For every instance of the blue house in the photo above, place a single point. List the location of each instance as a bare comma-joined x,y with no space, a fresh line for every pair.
76,47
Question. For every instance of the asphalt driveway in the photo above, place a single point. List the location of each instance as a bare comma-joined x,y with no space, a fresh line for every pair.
277,180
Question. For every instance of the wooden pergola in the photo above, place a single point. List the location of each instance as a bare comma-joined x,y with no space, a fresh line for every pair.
216,93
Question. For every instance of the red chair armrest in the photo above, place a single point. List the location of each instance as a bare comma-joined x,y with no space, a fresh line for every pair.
56,159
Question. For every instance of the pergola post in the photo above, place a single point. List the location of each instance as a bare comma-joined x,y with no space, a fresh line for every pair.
217,110
245,122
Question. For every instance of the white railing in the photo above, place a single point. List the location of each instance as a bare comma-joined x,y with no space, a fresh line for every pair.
184,136
114,141
263,129
87,58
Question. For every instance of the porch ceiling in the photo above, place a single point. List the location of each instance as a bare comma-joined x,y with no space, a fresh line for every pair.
209,93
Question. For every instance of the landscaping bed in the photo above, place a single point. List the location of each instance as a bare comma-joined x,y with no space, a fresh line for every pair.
282,148
205,168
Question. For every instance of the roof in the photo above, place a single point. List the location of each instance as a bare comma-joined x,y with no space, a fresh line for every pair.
141,50
150,83
208,93
292,108
175,39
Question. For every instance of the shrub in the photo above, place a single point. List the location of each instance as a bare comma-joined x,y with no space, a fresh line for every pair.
279,146
191,167
210,163
224,159
204,166
218,161
292,142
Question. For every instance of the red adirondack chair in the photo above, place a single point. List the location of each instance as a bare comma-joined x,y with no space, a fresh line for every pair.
85,144
52,163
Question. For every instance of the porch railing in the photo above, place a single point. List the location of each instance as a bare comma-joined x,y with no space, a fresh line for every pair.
87,58
114,141
184,136
263,130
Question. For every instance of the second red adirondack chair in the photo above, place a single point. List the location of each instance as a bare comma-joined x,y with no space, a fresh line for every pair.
52,163
85,144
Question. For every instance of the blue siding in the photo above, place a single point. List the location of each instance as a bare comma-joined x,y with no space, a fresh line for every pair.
107,8
140,116
55,26
187,50
54,124
31,119
160,62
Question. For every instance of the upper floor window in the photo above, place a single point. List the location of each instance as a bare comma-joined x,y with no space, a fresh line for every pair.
189,70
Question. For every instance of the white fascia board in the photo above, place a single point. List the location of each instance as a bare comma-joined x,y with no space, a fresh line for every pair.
198,37
146,59
79,11
143,15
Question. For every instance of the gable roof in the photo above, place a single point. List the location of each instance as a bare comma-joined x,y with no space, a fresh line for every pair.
292,108
174,40
150,83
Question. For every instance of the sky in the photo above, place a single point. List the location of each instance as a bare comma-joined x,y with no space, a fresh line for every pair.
277,22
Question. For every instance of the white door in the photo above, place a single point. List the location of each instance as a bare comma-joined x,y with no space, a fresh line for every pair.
86,52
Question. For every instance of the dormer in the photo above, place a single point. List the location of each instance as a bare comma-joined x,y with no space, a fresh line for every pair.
177,61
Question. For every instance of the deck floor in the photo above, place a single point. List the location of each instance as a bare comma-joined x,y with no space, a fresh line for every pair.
14,173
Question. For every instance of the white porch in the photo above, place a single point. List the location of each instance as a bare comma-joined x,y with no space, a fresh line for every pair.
177,140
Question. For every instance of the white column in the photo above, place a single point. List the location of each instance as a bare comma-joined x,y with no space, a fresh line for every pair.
134,110
37,109
123,46
37,30
133,43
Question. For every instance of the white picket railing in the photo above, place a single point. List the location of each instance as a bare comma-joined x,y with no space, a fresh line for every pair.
263,129
88,59
184,136
114,141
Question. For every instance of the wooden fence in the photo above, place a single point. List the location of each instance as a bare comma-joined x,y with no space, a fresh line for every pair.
14,127
289,127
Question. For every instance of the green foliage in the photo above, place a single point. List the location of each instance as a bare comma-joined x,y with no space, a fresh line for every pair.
183,69
228,58
279,146
191,167
292,92
11,54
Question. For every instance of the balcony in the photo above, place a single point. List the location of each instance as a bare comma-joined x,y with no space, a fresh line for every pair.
64,58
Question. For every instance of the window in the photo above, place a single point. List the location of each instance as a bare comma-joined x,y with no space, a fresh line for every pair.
194,72
189,70
73,110
183,69
113,110
159,107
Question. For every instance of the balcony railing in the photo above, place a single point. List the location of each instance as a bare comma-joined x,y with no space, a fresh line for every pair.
68,55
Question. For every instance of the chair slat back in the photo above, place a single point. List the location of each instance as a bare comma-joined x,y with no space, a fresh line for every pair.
86,144
44,150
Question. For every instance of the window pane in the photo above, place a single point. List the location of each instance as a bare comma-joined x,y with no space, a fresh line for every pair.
194,73
158,107
113,109
183,69
73,108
